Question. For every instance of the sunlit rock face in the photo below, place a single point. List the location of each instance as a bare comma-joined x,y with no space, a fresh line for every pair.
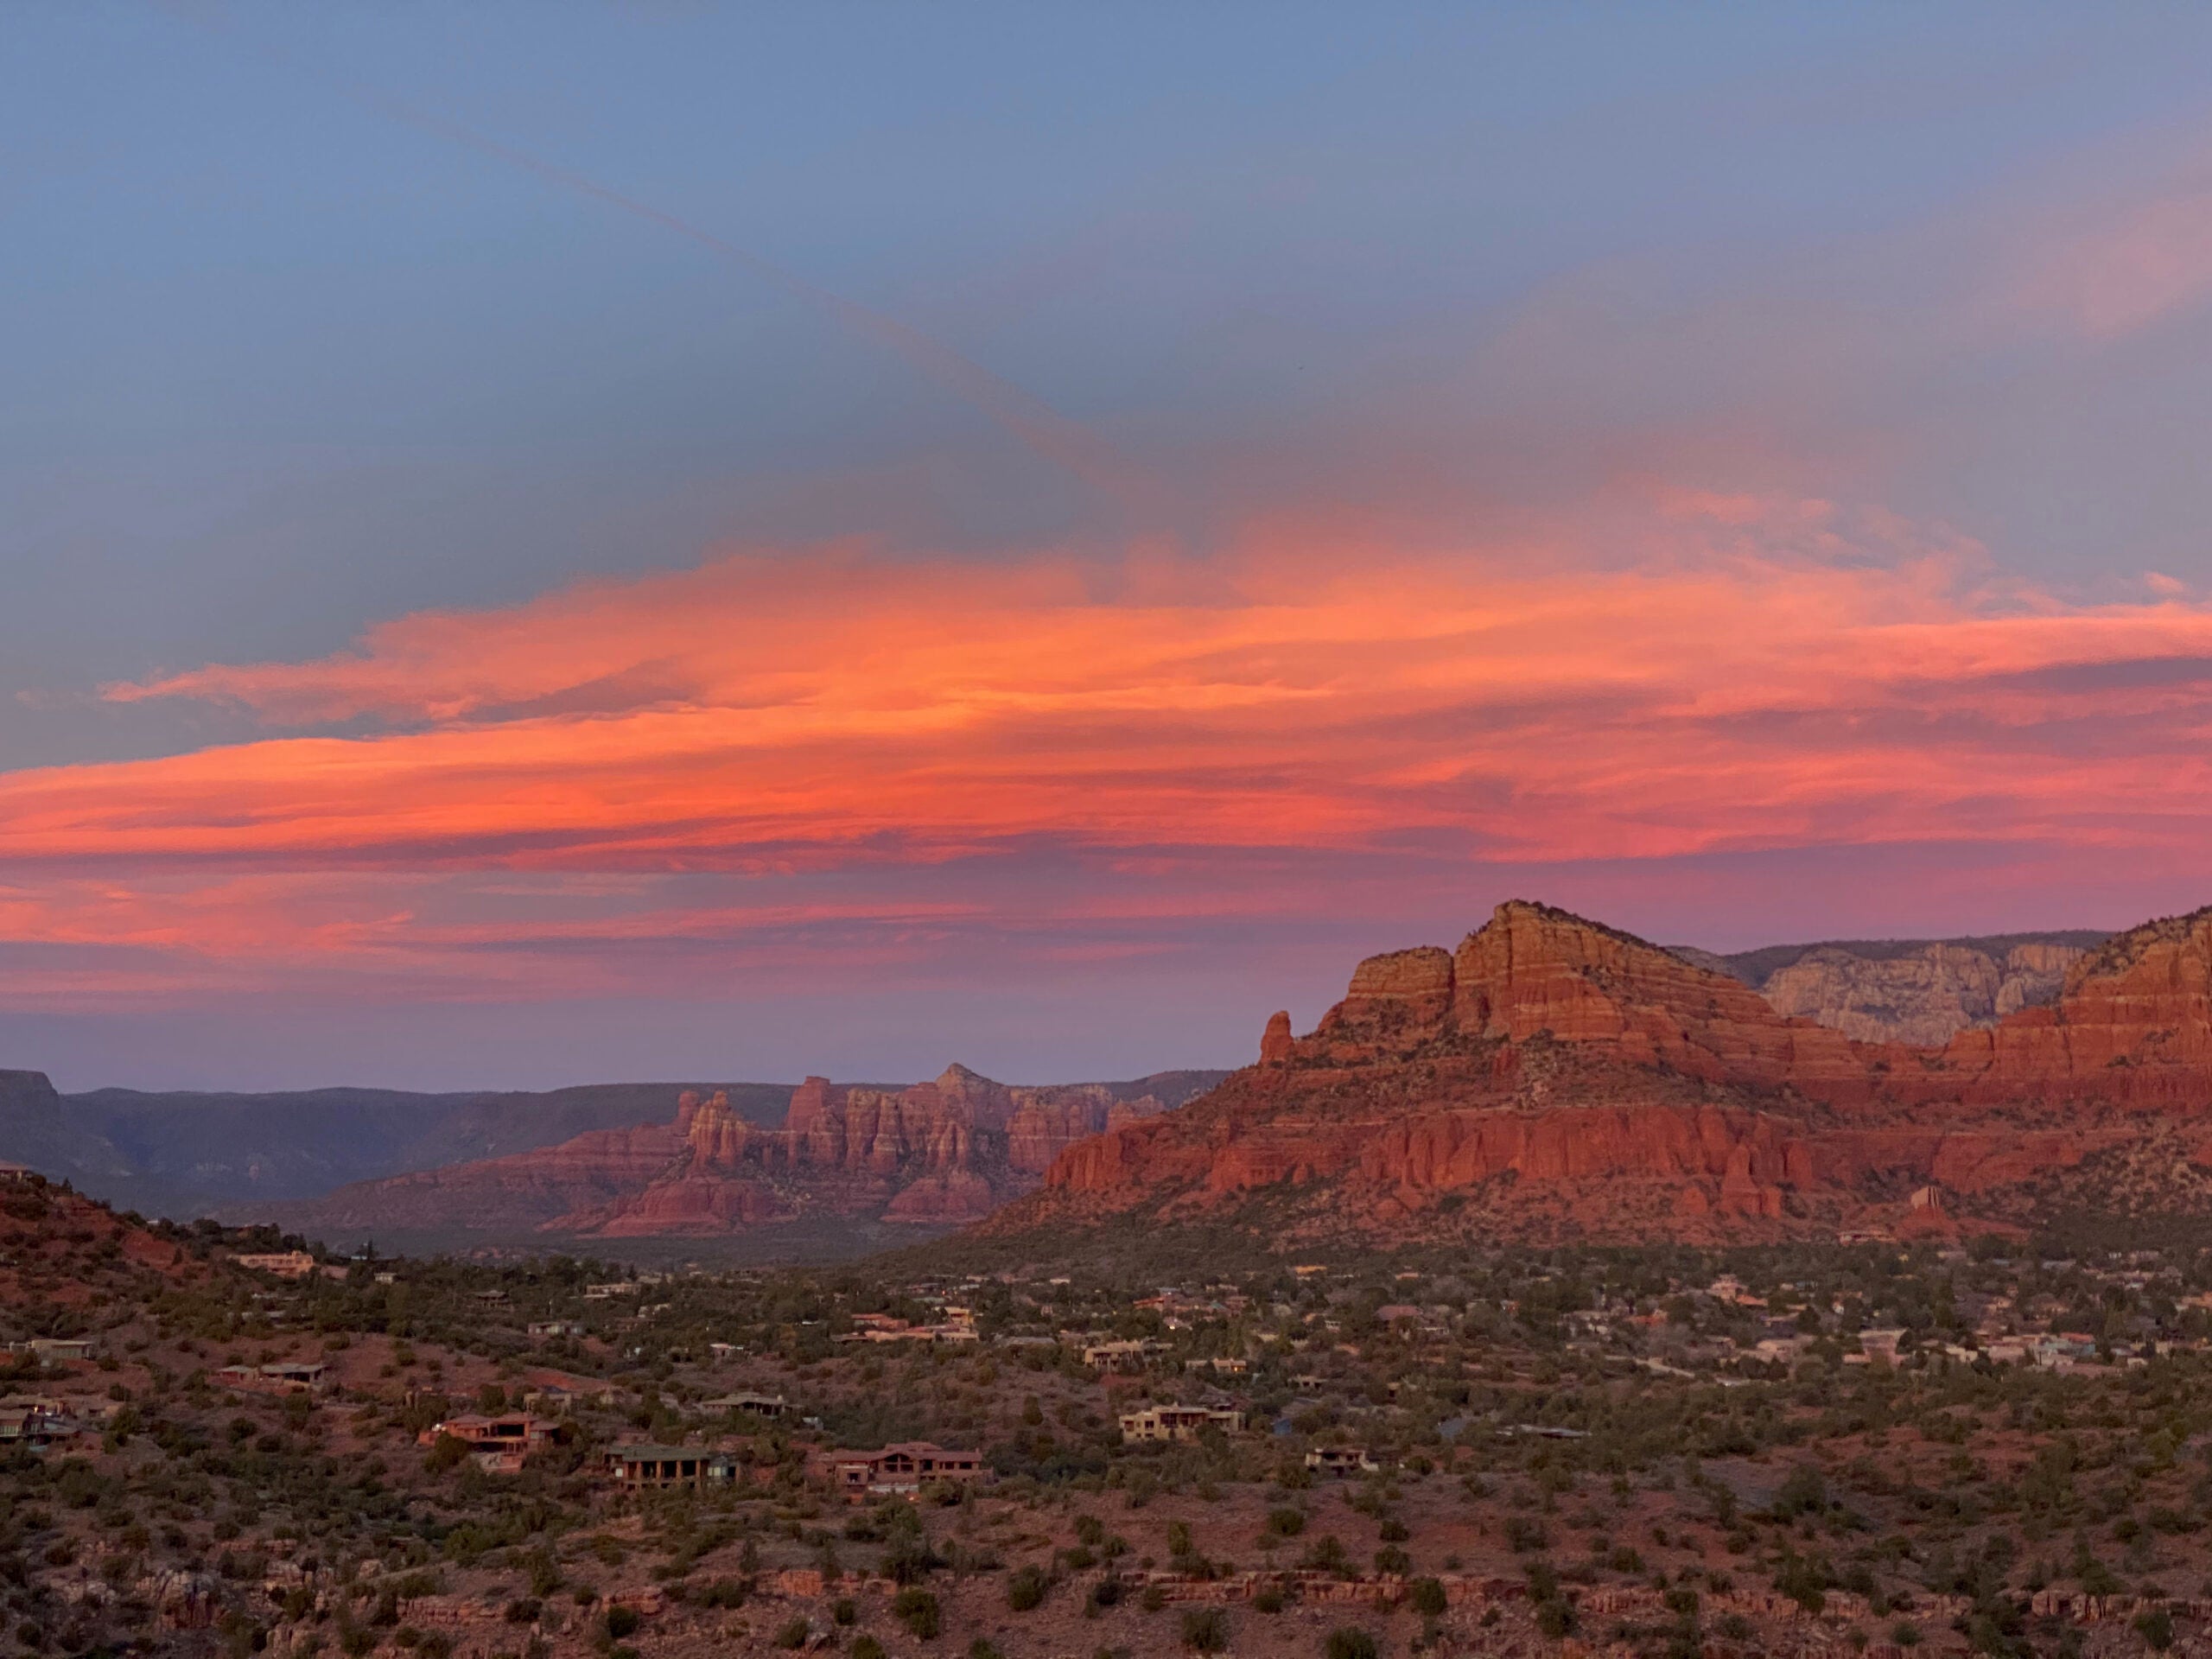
1553,1076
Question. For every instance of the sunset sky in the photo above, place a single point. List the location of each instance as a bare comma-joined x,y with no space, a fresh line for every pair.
554,542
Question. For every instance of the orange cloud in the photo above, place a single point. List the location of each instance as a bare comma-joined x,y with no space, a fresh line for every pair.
1759,676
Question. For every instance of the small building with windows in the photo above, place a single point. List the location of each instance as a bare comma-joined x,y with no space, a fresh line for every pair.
1155,1424
907,1466
767,1406
57,1350
283,1376
1342,1461
670,1466
284,1264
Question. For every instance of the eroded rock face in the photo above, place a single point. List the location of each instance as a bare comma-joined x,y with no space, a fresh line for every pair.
1556,1076
1922,997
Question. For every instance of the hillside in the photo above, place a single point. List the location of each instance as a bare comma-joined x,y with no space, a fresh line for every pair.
1555,1078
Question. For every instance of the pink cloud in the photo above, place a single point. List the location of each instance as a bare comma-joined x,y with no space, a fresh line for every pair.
1747,676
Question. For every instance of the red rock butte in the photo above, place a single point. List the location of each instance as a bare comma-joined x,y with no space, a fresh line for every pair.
1554,1077
943,1152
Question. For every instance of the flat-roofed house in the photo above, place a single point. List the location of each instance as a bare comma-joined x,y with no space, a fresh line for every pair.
906,1466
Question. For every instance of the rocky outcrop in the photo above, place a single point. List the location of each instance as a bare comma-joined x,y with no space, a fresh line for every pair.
938,1153
1923,996
1553,1077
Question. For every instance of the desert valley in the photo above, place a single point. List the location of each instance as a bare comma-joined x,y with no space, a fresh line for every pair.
1554,1295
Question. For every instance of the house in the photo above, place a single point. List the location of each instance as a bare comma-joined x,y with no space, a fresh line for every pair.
1342,1461
1161,1423
904,1467
1122,1355
19,1175
750,1405
285,1376
498,1444
57,1350
720,1353
556,1391
557,1327
509,1428
284,1264
670,1466
32,1425
1227,1365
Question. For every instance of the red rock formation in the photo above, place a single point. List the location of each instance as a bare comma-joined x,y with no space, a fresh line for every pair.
1277,1041
1552,1075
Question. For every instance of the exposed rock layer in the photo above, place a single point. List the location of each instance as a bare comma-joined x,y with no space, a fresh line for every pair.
1923,992
1553,1075
941,1153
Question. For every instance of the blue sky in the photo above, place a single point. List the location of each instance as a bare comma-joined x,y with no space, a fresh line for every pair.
286,360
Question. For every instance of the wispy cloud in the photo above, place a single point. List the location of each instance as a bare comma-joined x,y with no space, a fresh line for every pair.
1745,675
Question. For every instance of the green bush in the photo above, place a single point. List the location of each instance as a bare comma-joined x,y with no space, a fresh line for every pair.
917,1610
1555,1619
794,1634
1427,1597
1205,1630
1025,1590
1349,1642
866,1647
621,1622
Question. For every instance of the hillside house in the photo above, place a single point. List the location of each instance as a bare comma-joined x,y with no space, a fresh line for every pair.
284,1376
1157,1424
904,1467
284,1264
670,1466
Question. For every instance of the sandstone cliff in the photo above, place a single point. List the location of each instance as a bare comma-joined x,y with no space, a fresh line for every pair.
941,1154
1553,1076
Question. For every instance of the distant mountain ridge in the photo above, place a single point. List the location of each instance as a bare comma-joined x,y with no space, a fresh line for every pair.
185,1153
932,1155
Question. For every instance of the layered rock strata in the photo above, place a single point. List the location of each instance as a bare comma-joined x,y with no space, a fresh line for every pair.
1554,1076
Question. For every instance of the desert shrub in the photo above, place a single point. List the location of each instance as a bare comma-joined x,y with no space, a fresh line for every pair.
1427,1597
447,1451
1205,1630
917,1609
1349,1642
1026,1589
794,1634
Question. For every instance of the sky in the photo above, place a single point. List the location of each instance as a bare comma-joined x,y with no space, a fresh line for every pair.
553,542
